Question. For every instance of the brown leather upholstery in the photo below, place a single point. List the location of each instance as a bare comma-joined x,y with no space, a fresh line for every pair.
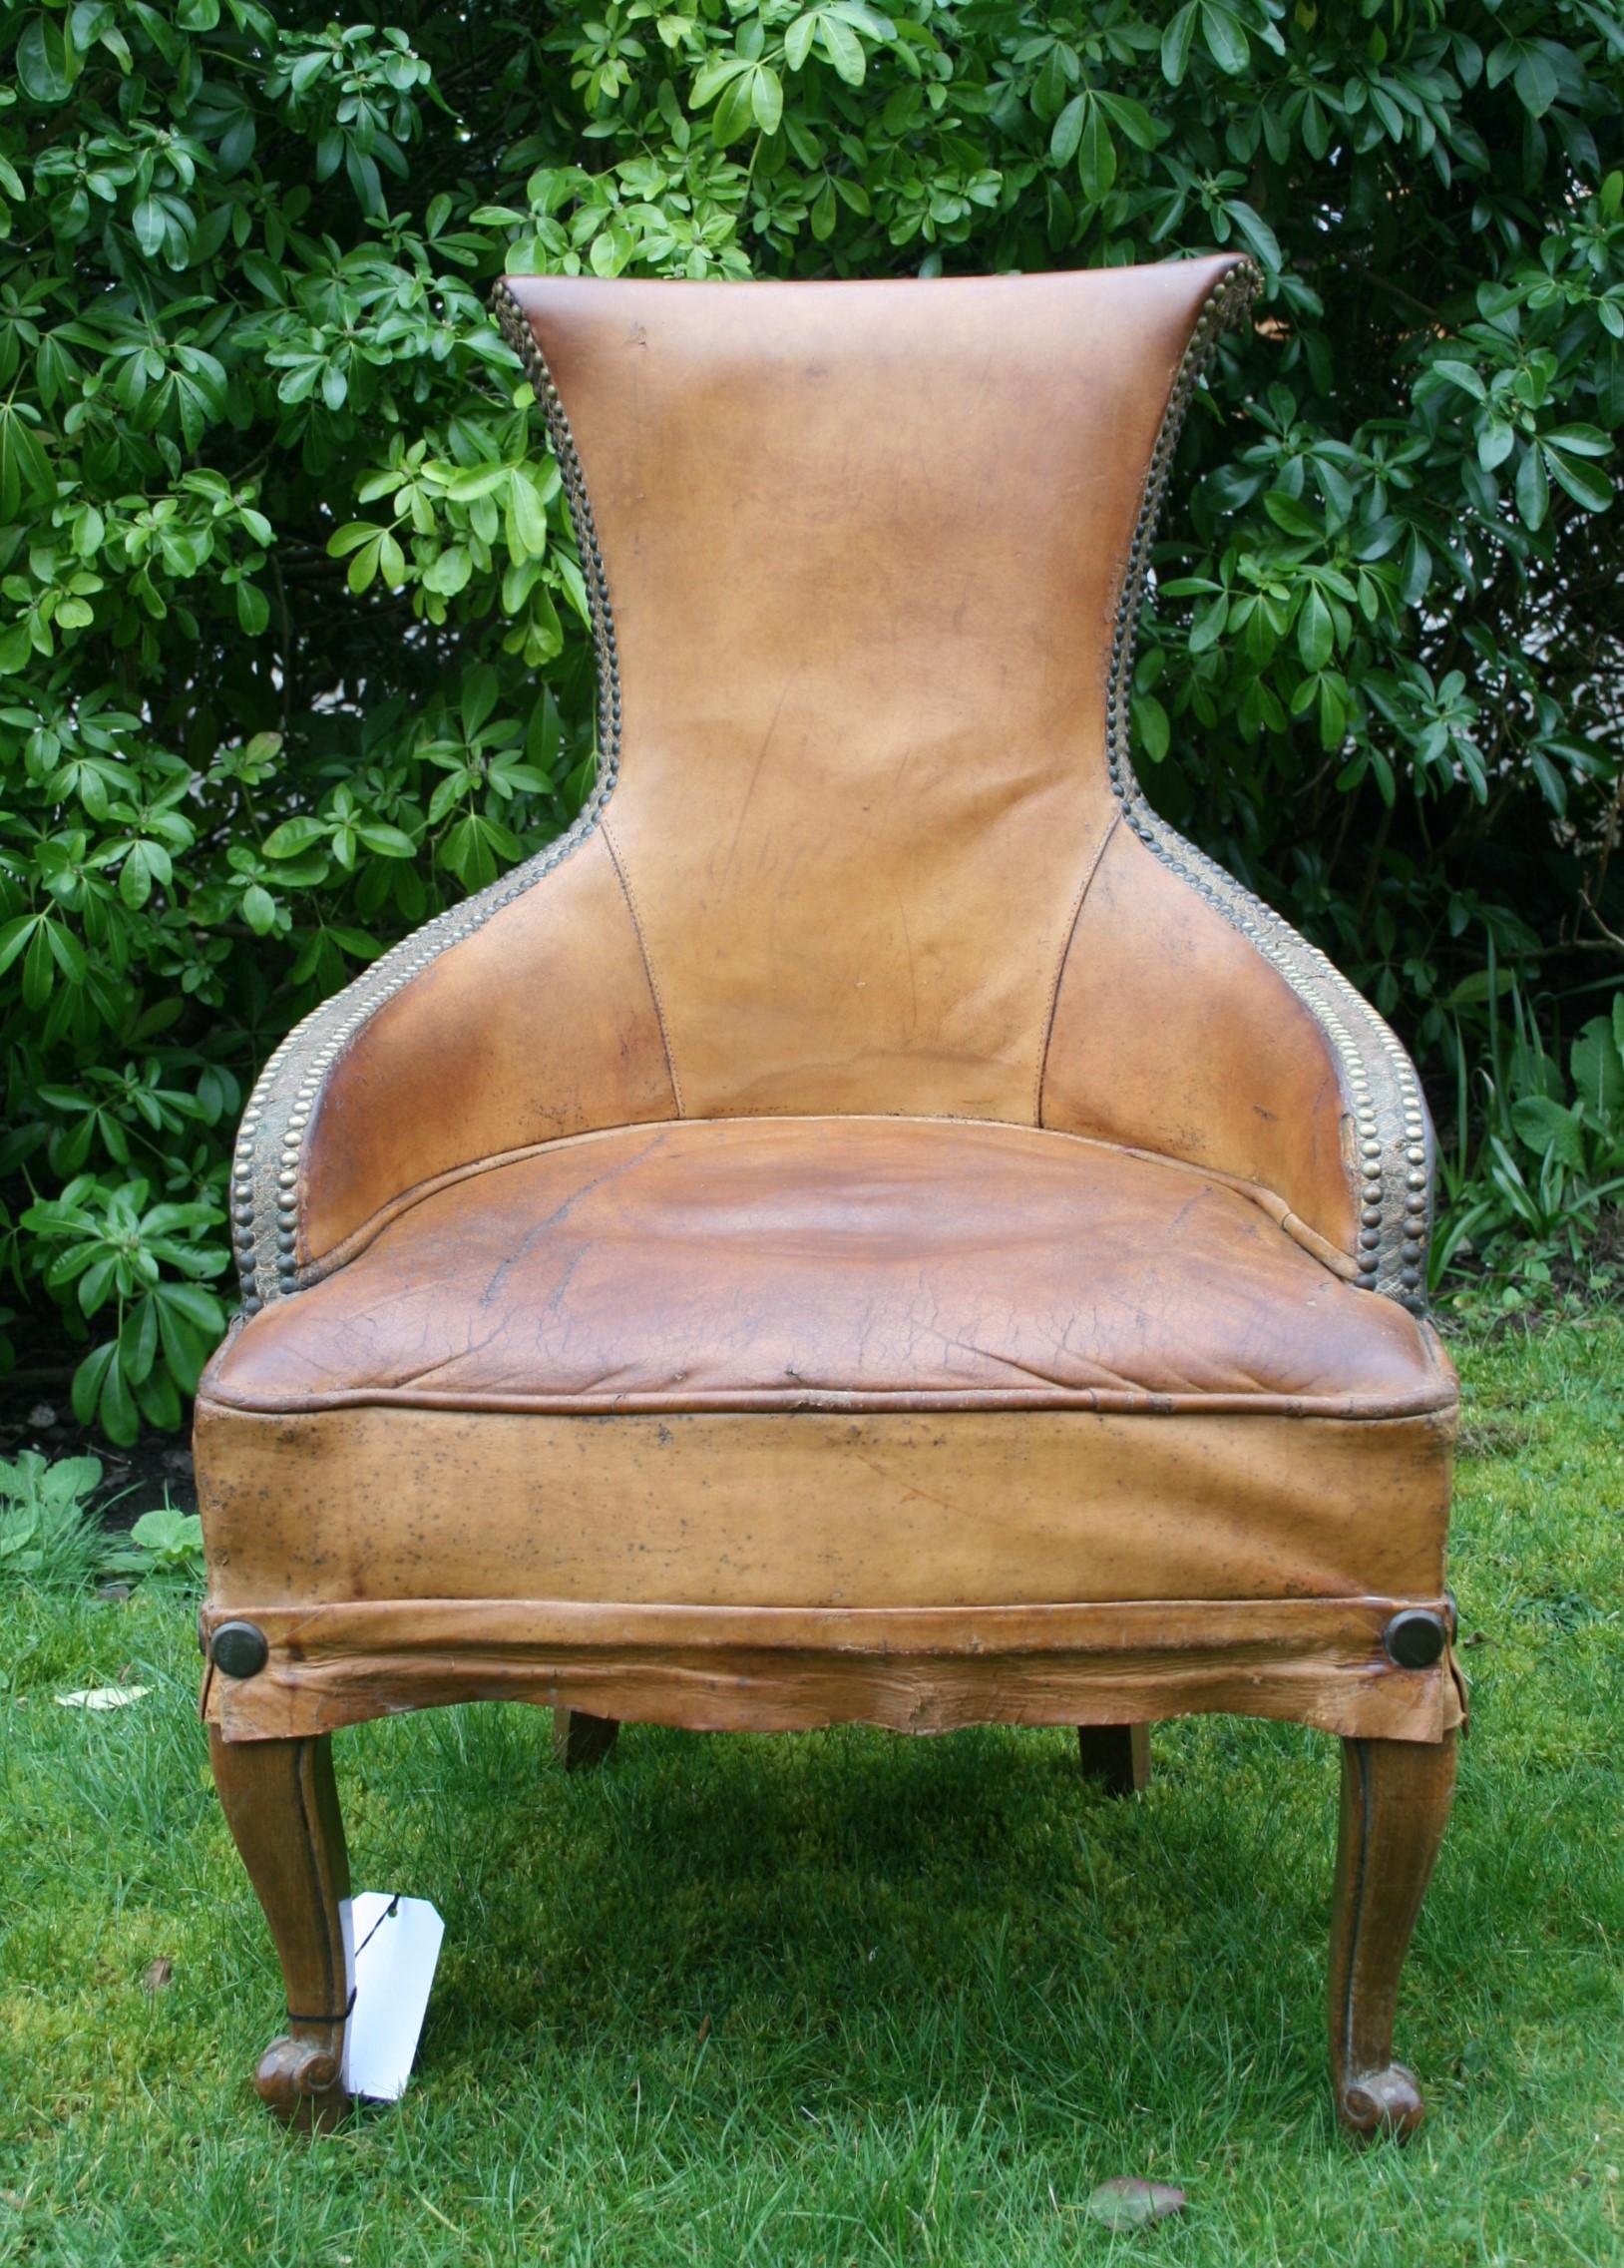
982,1510
870,1167
868,544
540,1024
837,1264
1167,1016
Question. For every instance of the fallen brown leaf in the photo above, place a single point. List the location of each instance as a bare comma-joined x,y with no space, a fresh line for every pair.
1126,2203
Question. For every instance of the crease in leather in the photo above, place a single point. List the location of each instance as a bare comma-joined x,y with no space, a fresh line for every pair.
627,892
1089,870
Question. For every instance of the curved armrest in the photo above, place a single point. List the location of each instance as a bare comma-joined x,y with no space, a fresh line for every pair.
519,1017
1191,1020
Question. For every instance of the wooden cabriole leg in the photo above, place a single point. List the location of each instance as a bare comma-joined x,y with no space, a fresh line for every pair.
1116,1755
1395,1798
281,1805
580,1742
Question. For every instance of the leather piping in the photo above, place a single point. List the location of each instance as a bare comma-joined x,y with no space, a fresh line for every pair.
841,1402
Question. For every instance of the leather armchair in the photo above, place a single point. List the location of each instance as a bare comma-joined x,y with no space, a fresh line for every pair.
870,1226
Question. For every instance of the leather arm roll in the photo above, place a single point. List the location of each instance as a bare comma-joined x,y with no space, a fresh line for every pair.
519,1017
1192,1021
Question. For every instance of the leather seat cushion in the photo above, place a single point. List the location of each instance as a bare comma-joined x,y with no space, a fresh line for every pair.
835,1263
828,1363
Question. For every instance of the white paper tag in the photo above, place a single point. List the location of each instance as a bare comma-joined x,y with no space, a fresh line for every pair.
396,1944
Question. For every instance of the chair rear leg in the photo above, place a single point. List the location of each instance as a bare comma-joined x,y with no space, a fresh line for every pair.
1396,1797
580,1742
1116,1755
281,1805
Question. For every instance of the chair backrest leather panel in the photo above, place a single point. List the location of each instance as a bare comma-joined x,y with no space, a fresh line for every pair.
864,546
541,1023
1170,1029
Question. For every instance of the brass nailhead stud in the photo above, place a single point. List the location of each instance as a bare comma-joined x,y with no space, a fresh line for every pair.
242,1651
1415,1639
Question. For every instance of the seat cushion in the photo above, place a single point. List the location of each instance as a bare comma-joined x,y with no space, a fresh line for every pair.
833,1365
844,1264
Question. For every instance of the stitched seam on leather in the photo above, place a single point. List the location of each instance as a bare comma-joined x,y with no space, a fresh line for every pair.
723,1401
1088,873
268,1175
648,967
1395,1181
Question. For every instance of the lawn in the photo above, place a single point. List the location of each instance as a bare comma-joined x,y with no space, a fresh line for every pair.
846,1998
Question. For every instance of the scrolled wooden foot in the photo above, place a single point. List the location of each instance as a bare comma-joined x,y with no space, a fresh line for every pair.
1396,1797
1116,1755
1389,2102
281,1805
580,1742
299,2081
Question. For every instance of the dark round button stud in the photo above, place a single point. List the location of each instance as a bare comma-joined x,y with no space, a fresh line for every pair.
1415,1639
240,1649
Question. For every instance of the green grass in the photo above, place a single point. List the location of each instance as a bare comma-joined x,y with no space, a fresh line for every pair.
846,1998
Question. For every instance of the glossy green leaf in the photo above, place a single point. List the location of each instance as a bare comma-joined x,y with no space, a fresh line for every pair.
47,63
1226,40
1315,638
1177,40
1533,493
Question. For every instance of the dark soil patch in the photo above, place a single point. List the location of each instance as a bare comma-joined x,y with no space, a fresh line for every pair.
1492,1437
36,1411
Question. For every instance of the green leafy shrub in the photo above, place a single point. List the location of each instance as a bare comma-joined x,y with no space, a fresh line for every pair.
293,648
162,1542
47,1535
1526,1191
50,1538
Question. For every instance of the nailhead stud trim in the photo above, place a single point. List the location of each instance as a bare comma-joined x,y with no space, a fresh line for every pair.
1394,1138
266,1168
